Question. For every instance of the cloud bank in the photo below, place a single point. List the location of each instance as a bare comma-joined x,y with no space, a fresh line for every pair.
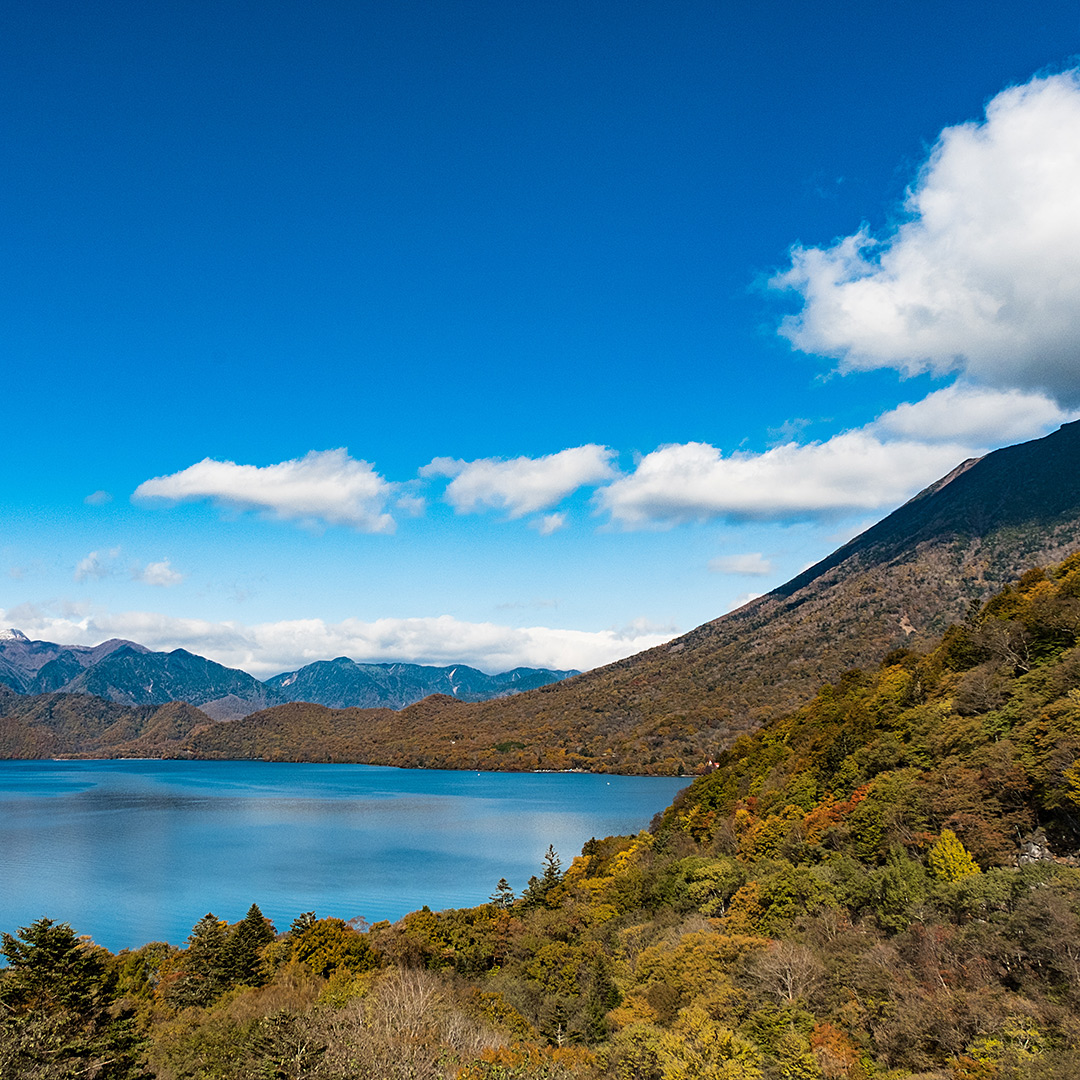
267,649
982,276
322,487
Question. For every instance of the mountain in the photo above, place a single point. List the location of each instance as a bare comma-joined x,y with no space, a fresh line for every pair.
343,683
35,667
676,706
130,674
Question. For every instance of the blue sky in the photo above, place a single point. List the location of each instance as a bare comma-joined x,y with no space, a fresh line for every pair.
508,333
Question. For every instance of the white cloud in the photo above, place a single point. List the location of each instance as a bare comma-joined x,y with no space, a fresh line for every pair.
97,565
157,573
750,565
973,415
983,275
850,472
549,523
875,467
269,648
98,498
521,485
324,486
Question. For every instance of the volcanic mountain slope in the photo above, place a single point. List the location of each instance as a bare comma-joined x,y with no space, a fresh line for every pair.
899,583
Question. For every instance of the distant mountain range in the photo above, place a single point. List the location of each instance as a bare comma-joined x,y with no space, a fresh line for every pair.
127,673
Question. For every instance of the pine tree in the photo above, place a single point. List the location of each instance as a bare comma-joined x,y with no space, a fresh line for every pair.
205,968
503,896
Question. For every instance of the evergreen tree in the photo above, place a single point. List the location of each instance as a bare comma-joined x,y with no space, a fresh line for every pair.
204,966
58,1009
539,887
503,896
246,940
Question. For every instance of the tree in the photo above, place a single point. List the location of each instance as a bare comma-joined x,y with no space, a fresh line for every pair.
246,939
203,970
330,944
59,1017
503,896
539,887
949,859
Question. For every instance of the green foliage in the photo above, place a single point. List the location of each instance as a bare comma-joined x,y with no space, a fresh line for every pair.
331,944
59,1014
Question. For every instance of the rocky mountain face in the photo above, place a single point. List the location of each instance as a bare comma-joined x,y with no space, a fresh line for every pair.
39,667
130,674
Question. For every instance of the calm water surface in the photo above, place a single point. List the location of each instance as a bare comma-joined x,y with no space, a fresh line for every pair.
137,851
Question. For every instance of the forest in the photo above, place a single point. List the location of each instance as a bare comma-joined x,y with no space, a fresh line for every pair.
880,884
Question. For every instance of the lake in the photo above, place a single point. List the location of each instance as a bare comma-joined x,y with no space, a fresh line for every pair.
136,851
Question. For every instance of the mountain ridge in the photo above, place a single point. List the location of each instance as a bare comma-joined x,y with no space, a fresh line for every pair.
128,673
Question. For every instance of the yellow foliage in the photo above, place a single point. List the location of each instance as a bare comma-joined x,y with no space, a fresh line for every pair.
698,1048
949,860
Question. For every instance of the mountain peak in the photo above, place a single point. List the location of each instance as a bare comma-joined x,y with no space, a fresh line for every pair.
11,634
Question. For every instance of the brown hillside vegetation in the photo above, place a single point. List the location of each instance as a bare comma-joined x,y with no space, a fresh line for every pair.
899,583
66,725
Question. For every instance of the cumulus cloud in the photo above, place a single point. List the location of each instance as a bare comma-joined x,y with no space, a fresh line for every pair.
157,573
750,565
982,275
522,485
973,415
266,649
323,487
97,565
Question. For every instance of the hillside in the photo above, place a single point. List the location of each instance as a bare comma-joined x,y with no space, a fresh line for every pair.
74,725
673,708
883,884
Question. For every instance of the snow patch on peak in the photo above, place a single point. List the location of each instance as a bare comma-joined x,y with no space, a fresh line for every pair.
11,634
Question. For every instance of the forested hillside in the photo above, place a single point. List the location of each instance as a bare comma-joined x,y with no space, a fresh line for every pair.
881,884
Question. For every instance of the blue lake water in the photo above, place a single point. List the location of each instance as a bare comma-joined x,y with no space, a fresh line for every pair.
137,851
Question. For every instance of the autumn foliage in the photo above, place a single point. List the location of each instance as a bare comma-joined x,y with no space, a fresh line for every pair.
845,897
